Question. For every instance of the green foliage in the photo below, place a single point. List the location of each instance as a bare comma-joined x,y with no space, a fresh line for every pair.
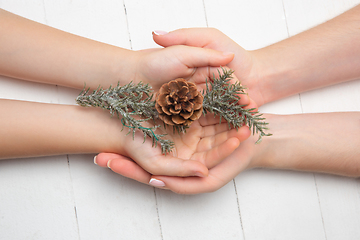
125,102
221,98
130,101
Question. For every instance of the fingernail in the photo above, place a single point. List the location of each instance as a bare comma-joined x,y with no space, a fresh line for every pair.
108,164
156,183
199,174
159,32
95,160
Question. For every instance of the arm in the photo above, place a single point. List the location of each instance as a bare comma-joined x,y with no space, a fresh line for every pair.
37,129
36,52
325,55
325,142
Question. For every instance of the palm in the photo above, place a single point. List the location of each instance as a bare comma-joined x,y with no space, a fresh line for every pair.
206,141
219,175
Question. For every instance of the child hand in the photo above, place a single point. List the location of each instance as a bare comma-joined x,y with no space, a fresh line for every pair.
204,145
128,168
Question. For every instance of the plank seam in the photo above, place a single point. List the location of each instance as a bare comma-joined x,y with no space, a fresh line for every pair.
73,195
206,19
238,205
318,196
158,215
127,25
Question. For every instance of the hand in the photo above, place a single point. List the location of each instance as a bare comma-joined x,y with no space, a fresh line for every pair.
218,176
205,143
159,66
244,63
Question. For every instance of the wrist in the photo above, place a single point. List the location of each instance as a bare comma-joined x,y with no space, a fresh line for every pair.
273,76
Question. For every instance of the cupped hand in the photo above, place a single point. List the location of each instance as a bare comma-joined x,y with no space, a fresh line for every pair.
205,143
217,176
221,170
244,64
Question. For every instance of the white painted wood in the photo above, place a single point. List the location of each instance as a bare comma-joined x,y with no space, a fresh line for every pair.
204,216
339,199
279,205
110,206
252,24
147,16
57,198
36,200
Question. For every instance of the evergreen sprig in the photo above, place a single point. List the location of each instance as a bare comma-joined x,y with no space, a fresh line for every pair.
125,102
221,98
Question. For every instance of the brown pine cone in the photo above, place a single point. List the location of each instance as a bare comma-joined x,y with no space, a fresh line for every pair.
179,103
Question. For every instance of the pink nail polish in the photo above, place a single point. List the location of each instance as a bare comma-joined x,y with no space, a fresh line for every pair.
156,183
159,32
108,164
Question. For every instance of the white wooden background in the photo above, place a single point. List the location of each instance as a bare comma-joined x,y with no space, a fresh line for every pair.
68,197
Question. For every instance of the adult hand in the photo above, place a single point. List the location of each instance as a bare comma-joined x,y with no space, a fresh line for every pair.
244,64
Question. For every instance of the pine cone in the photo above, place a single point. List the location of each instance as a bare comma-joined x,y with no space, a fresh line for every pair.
179,103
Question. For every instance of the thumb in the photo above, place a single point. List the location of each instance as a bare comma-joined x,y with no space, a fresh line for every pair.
193,57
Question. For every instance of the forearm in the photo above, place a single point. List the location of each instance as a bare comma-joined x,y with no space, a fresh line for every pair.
36,52
37,129
324,55
323,142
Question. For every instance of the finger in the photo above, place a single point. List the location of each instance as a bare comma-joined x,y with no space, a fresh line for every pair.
103,158
220,148
220,175
208,142
252,104
128,168
211,73
197,37
194,57
173,166
213,127
188,185
243,96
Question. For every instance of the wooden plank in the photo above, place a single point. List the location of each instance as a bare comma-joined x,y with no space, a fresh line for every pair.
110,206
147,16
339,199
36,199
204,216
279,205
